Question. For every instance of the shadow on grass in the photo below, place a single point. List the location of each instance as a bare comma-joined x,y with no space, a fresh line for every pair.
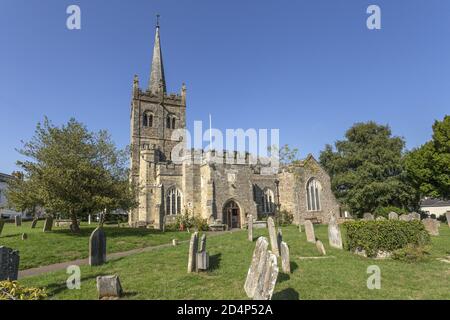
214,261
11,235
56,288
112,232
286,294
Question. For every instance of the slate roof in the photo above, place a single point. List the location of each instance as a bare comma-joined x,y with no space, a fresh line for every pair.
434,203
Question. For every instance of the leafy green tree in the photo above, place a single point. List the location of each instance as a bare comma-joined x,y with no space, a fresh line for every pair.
285,153
72,171
428,166
366,169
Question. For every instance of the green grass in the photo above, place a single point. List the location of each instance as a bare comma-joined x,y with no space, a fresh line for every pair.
162,274
61,245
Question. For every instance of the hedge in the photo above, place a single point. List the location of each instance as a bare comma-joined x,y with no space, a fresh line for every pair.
387,235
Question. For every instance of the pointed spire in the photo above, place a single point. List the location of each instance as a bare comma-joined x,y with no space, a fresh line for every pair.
157,83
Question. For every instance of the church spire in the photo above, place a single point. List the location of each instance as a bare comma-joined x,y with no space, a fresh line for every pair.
157,81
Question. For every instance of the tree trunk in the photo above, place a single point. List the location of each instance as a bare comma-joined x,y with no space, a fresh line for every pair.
74,226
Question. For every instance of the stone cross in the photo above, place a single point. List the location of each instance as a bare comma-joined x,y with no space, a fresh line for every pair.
9,264
48,224
18,220
334,233
273,236
97,247
109,287
34,223
368,216
320,248
193,249
285,259
393,216
2,224
256,266
309,229
250,227
432,226
447,215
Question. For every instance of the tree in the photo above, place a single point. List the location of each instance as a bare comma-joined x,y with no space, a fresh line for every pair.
367,170
72,171
286,155
428,167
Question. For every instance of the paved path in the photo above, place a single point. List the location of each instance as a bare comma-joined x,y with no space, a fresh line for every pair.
112,256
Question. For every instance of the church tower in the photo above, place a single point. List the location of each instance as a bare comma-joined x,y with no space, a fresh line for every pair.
155,114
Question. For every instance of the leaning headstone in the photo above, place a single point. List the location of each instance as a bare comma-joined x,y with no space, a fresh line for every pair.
285,259
415,216
309,229
368,216
273,236
268,278
9,264
320,248
334,233
256,266
97,247
24,236
447,215
250,227
48,224
18,220
34,223
432,226
393,216
193,249
404,217
2,224
109,287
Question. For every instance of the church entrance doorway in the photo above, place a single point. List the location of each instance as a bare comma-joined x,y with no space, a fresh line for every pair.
232,215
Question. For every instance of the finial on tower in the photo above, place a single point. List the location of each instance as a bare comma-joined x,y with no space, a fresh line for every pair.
157,20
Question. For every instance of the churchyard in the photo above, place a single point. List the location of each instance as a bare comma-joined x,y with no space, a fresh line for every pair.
162,273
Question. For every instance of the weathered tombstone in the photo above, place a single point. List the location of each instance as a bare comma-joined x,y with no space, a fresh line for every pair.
309,229
415,216
2,224
447,215
393,216
285,259
48,224
256,266
432,226
109,287
193,249
404,217
320,248
368,216
9,264
18,220
34,223
97,247
334,233
202,261
24,236
380,218
250,227
174,242
273,236
268,278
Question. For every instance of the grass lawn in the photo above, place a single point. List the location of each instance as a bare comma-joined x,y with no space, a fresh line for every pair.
61,245
162,274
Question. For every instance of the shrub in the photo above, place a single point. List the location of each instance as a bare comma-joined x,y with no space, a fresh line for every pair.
384,211
11,290
285,218
186,221
411,253
387,235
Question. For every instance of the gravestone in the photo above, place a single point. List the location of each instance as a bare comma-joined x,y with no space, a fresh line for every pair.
109,287
334,233
267,279
415,216
273,236
299,227
320,248
393,216
34,223
18,220
380,218
2,224
368,216
202,261
250,227
89,219
174,242
309,230
203,243
9,264
285,259
256,266
24,236
97,247
48,224
404,217
432,226
447,215
193,250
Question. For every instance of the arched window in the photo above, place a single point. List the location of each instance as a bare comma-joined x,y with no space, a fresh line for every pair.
173,201
313,189
268,201
147,120
173,123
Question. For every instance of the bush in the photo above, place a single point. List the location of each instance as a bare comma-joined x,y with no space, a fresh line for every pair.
411,253
285,218
184,221
11,290
384,211
387,235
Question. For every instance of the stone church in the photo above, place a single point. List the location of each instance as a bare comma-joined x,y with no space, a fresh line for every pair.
224,193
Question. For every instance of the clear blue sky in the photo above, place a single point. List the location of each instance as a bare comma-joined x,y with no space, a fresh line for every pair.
310,67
